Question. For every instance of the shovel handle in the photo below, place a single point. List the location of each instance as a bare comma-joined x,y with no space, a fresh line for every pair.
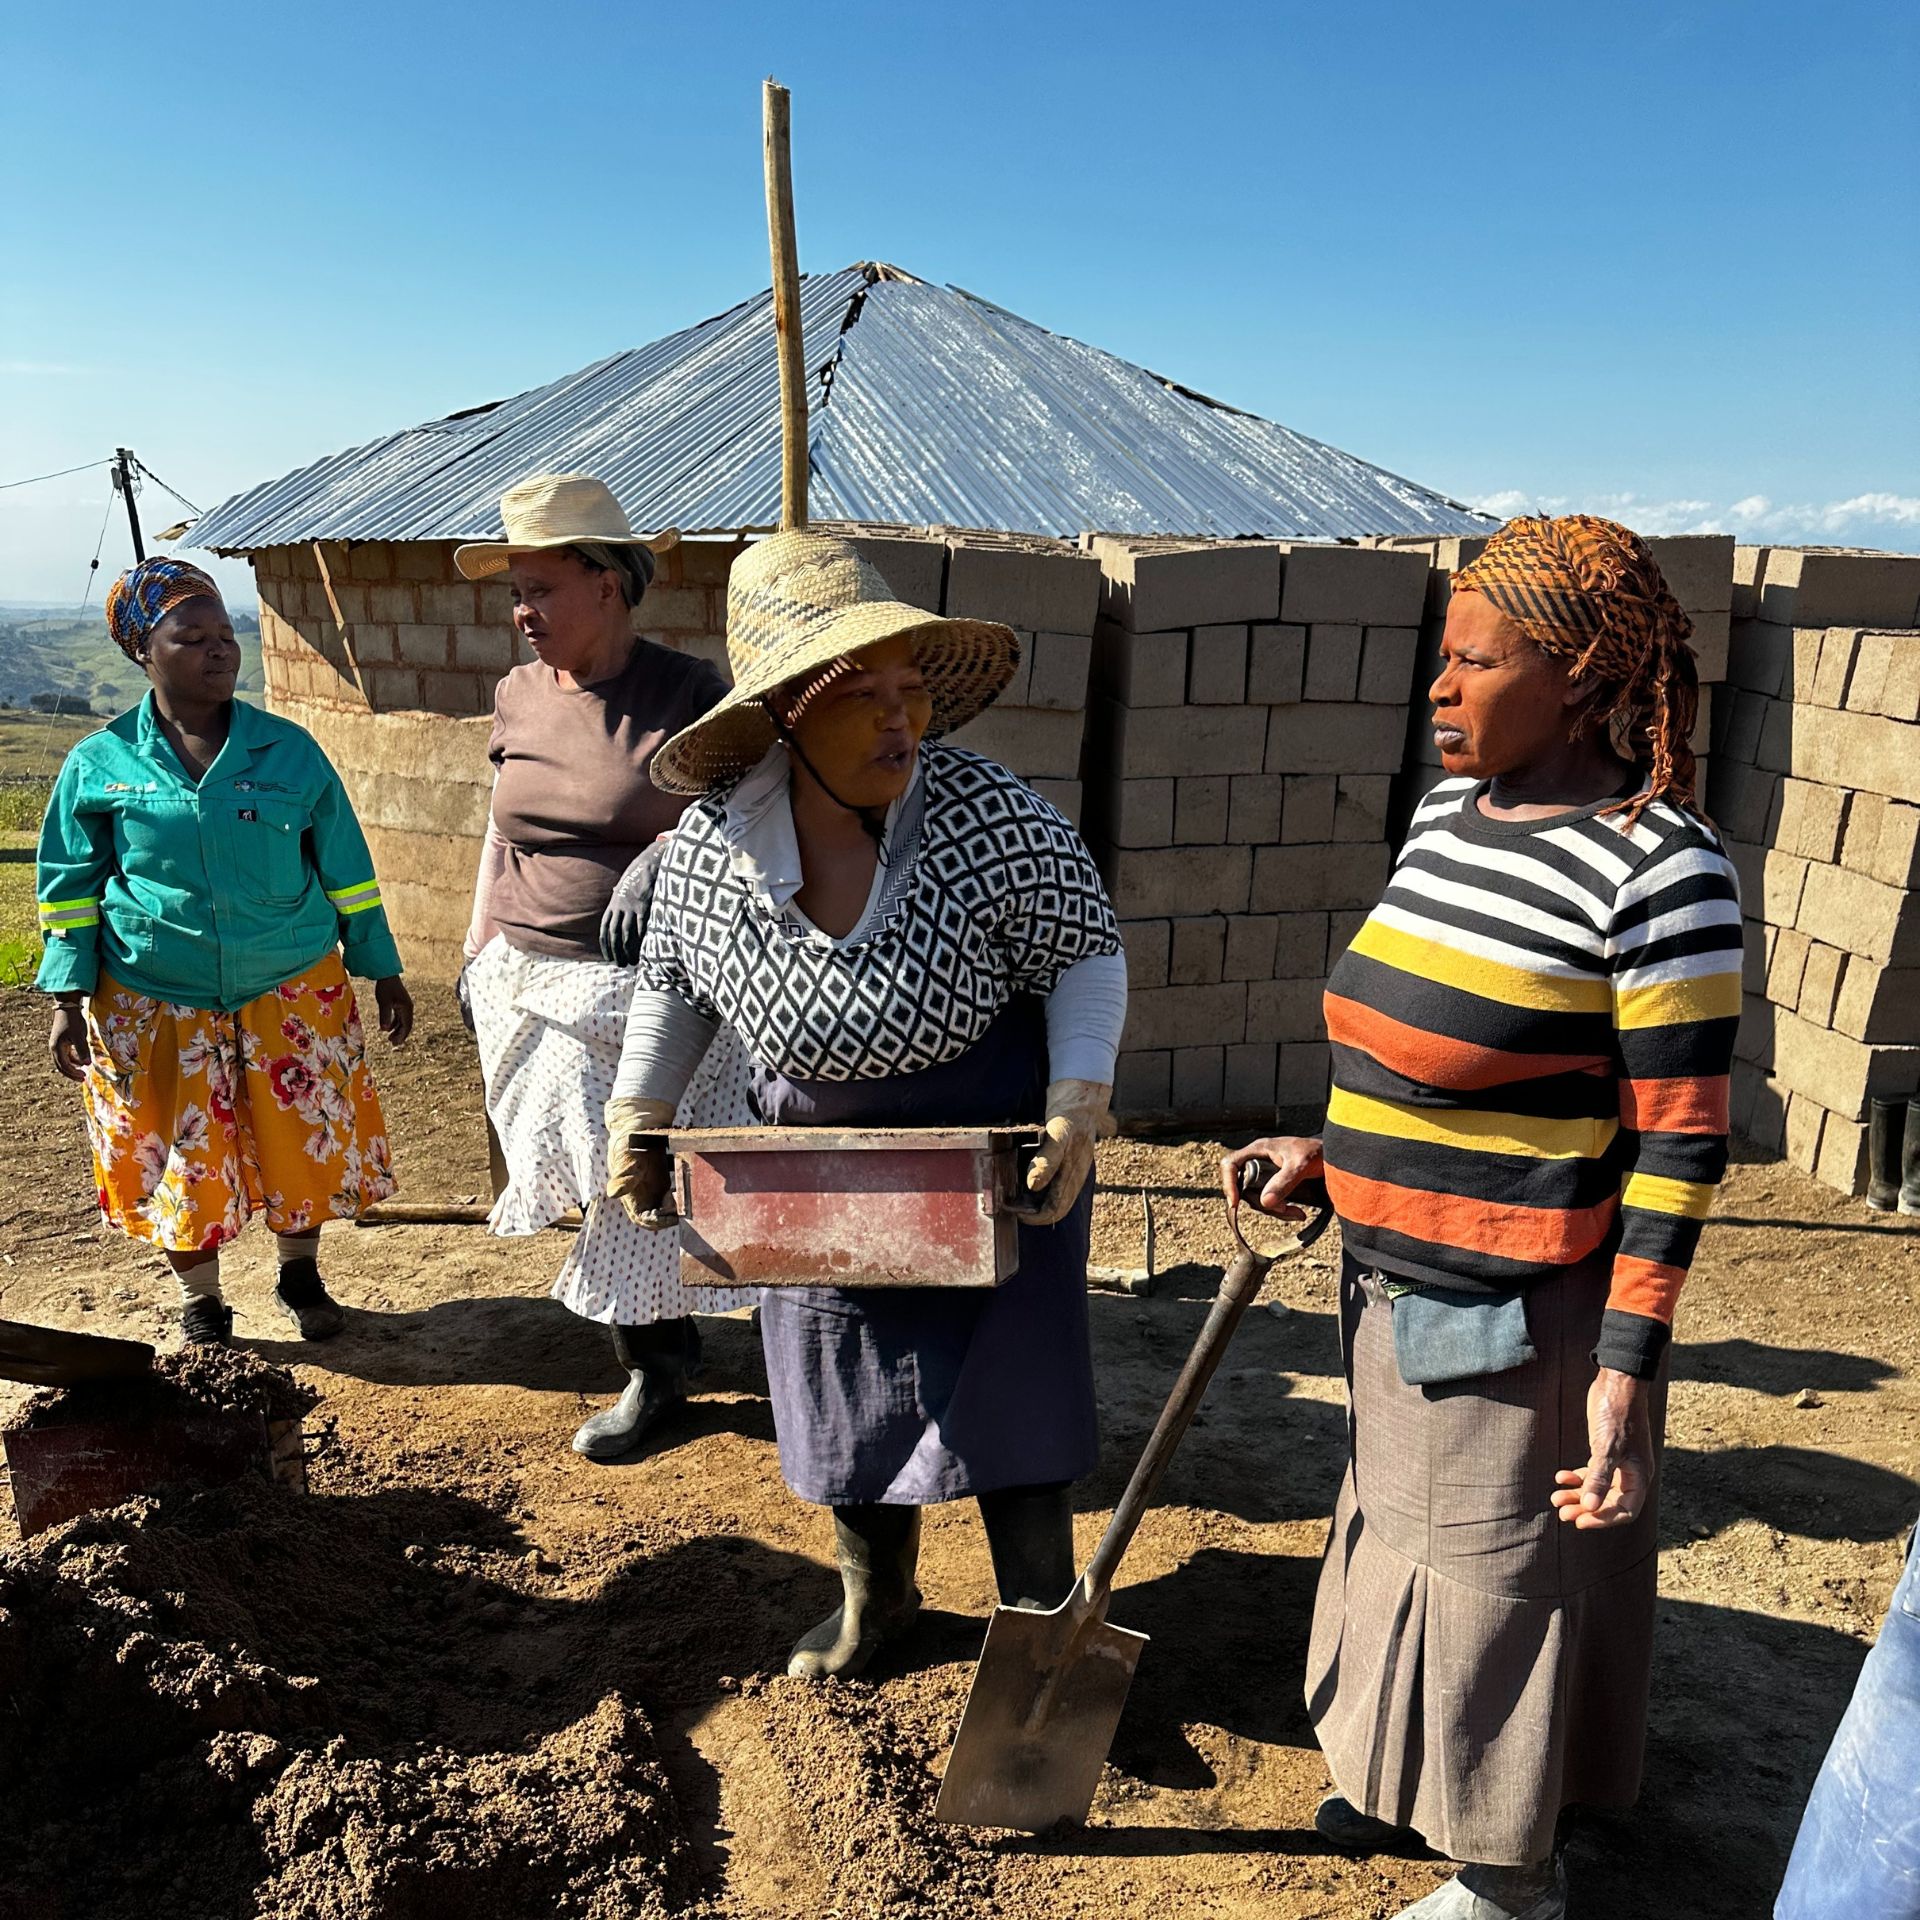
1237,1290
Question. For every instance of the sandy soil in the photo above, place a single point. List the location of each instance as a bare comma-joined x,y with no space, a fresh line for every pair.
678,1581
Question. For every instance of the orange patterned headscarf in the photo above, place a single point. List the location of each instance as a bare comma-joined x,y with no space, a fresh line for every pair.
1588,591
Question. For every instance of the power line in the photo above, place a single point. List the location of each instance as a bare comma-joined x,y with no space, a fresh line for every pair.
6,485
162,485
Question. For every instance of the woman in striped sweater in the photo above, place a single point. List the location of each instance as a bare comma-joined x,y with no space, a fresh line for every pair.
1531,1040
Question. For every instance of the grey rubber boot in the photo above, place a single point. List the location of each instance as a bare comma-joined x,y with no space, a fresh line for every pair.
658,1359
1910,1159
878,1549
1886,1123
1497,1893
1030,1536
1336,1818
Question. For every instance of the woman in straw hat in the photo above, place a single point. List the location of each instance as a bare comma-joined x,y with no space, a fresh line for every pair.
899,933
571,843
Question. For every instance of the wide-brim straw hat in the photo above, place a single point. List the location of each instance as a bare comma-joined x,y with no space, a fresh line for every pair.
798,601
557,510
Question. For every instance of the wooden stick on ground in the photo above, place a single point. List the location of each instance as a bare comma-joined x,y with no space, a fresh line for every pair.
777,116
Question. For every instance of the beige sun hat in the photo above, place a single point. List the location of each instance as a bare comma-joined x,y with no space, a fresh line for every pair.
797,602
557,510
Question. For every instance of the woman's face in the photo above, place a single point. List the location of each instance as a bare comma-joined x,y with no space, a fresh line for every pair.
566,613
862,731
1500,703
191,656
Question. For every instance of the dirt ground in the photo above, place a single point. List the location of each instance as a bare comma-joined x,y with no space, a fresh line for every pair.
509,1591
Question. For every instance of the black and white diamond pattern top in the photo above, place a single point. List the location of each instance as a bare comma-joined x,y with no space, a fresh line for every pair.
1005,897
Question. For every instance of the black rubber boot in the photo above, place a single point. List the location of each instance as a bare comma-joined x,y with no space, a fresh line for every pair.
205,1322
878,1549
1336,1818
304,1299
658,1358
1030,1536
1910,1159
1886,1122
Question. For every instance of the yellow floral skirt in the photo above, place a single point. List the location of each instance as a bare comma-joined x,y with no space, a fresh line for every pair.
201,1119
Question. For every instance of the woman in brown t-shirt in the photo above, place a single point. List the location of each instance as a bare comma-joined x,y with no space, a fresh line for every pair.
574,732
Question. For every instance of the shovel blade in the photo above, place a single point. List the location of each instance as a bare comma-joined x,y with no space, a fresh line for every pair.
58,1472
1005,1772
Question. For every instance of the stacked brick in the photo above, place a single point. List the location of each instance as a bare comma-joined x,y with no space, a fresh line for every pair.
1816,786
1699,572
1049,593
1248,709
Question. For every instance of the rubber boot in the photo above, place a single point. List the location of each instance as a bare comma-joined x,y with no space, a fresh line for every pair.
1886,1120
304,1299
1030,1536
1910,1159
656,1358
1497,1893
878,1548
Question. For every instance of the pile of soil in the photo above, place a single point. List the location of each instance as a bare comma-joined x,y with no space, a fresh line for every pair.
240,1701
197,1379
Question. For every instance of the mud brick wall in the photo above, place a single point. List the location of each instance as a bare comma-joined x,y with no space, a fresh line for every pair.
1699,572
393,670
1247,717
1816,786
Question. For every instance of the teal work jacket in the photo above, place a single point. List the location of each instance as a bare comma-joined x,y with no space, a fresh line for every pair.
209,895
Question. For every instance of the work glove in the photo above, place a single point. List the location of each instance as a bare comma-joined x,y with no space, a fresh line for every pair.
624,924
1076,1117
463,998
639,1171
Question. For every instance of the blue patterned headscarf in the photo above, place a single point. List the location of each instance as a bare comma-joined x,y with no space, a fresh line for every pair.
143,596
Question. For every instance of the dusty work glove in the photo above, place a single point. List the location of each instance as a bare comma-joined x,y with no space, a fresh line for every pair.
1076,1117
624,924
640,1176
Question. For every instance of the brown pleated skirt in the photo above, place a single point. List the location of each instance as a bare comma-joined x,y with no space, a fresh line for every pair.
1476,1663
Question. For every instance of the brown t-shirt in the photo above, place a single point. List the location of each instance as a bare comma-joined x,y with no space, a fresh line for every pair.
573,798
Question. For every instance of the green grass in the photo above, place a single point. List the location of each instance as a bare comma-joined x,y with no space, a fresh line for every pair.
19,925
35,744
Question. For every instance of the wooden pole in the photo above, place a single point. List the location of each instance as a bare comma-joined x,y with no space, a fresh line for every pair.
777,113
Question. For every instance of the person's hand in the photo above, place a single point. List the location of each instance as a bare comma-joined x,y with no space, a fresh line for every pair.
1294,1159
639,1173
624,924
68,1041
396,1009
1076,1114
1614,1486
463,997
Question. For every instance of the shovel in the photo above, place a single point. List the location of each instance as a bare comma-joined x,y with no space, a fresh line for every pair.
1049,1688
52,1357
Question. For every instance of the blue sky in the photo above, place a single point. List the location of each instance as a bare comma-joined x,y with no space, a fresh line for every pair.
1656,259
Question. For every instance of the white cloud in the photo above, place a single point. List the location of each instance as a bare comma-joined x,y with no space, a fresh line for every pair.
1866,519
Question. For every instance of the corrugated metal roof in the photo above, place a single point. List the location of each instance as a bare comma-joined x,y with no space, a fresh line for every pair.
929,406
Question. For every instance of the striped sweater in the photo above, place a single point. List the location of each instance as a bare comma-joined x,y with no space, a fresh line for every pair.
1531,1040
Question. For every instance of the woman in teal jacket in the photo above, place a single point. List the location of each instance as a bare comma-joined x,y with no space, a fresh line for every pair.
202,880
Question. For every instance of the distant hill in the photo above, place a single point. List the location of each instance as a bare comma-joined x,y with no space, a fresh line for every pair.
49,650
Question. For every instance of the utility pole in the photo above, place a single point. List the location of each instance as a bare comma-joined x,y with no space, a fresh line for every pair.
123,479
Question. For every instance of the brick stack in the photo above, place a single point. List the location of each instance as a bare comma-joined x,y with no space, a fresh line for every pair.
1049,593
1816,785
1248,707
1699,573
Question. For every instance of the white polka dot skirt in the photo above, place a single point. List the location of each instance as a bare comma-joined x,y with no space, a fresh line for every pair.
550,1033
